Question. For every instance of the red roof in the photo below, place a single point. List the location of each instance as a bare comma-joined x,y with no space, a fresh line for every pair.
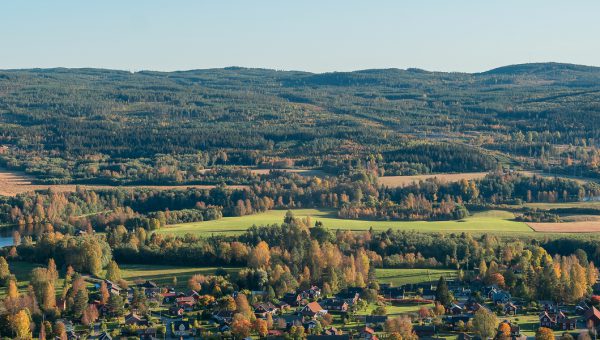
314,307
593,313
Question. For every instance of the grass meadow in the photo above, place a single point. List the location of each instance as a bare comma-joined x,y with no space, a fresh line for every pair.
402,276
493,221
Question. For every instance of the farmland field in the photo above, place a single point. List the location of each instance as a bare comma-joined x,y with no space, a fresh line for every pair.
402,276
566,227
13,183
496,221
22,271
163,275
399,181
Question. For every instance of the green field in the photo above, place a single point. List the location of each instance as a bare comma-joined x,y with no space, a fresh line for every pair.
493,221
163,275
398,277
22,271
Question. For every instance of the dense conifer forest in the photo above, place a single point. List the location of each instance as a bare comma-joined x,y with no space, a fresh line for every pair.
104,126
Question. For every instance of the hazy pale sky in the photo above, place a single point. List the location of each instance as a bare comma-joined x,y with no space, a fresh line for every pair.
318,36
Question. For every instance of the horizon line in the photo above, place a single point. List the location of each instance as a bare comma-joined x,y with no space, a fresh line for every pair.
133,71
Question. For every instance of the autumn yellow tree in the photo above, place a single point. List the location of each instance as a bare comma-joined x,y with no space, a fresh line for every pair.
21,325
261,328
504,330
260,256
49,297
241,326
544,333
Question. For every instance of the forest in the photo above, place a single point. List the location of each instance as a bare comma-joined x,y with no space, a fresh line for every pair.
115,127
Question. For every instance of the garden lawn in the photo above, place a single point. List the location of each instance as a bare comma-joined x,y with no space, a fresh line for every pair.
493,221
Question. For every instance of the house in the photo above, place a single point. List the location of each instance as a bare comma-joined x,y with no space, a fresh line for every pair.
331,331
367,333
193,294
475,307
500,296
335,305
186,302
312,293
169,297
375,320
182,328
489,291
262,309
282,305
510,308
456,309
546,320
292,299
563,322
176,310
582,308
112,287
275,333
312,309
328,337
424,331
287,321
134,319
349,297
223,316
149,333
101,336
311,324
557,322
150,288
592,316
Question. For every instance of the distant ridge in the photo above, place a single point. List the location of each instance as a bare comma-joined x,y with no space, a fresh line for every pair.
541,69
516,69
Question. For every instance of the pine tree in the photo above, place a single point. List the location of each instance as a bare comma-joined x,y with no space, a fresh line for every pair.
442,294
80,303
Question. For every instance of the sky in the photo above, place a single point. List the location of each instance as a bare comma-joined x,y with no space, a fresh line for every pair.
309,35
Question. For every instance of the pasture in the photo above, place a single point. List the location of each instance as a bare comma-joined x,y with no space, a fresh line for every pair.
493,221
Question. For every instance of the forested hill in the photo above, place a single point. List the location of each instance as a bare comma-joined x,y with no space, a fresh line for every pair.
67,125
